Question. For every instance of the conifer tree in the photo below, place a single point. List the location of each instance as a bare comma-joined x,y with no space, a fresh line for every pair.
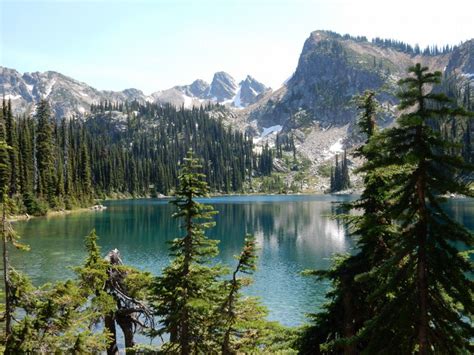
337,328
12,141
430,301
186,294
85,169
44,151
25,158
340,174
55,320
230,309
114,293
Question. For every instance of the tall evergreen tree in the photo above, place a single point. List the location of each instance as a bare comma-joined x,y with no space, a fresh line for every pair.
12,141
188,290
44,151
339,326
85,169
430,301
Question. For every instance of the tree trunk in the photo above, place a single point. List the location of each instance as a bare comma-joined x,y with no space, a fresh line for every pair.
184,336
126,324
109,322
422,266
6,275
348,317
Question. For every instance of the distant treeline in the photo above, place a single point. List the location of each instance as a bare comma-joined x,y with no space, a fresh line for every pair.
121,148
399,45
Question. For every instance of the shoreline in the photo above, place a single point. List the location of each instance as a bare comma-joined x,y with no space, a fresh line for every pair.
27,217
98,207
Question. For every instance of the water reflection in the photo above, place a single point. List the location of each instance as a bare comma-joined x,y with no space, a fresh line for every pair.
294,233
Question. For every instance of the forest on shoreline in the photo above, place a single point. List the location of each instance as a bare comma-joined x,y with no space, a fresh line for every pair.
406,289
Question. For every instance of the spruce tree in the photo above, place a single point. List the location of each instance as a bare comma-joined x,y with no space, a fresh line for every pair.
234,306
44,151
85,169
12,141
186,294
339,326
430,301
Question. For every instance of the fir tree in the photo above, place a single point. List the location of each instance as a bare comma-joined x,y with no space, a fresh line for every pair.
85,169
338,327
232,307
431,295
186,294
12,141
44,151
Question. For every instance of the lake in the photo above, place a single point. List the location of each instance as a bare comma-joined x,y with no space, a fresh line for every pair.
294,233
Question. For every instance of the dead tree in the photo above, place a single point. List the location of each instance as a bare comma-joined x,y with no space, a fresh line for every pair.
131,314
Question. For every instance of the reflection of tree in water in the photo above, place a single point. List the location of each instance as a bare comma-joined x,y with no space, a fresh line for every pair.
298,227
301,230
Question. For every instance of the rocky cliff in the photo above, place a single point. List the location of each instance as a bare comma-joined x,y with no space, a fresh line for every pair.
333,68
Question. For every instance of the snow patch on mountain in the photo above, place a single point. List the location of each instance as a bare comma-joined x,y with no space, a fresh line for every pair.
188,101
336,147
236,99
12,97
266,133
270,130
49,87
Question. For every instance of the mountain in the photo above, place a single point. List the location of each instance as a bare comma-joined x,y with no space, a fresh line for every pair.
333,68
69,97
251,91
314,106
223,89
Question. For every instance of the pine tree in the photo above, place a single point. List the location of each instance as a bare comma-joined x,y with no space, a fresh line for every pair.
188,290
338,327
44,151
12,141
55,320
230,309
85,169
340,179
427,276
114,293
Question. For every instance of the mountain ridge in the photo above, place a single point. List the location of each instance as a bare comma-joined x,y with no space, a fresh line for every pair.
314,105
70,97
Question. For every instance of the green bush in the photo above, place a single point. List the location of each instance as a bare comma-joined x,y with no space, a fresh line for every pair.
35,206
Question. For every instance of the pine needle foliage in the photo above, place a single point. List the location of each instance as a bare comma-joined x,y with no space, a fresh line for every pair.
189,291
428,295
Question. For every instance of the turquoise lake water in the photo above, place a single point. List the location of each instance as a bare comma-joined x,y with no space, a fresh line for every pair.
294,233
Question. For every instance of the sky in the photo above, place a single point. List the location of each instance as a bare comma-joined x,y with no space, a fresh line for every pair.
156,44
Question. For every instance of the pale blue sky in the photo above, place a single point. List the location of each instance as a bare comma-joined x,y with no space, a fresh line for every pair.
154,45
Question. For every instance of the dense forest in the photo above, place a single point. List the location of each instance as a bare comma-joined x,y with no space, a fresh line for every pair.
121,149
406,289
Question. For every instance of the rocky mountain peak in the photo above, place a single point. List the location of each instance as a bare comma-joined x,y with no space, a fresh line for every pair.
332,68
223,87
250,91
462,59
199,88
